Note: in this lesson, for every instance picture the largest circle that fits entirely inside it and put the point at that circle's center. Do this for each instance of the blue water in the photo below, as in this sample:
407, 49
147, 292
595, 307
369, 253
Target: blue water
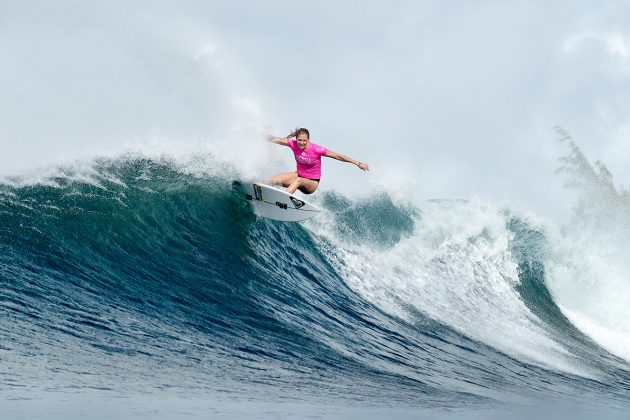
137, 288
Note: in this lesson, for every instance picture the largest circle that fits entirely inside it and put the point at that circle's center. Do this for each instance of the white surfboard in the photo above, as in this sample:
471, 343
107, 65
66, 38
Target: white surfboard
276, 204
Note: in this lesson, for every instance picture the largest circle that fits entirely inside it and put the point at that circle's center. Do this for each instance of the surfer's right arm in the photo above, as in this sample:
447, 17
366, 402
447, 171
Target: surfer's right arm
284, 141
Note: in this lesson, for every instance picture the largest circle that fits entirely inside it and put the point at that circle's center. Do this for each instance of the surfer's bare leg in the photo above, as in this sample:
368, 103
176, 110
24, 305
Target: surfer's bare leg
307, 186
284, 179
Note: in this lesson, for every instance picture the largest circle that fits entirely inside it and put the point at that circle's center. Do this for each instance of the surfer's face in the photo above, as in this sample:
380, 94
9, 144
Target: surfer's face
302, 141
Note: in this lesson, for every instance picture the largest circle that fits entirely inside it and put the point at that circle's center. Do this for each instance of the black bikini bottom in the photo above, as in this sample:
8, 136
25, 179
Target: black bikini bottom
312, 179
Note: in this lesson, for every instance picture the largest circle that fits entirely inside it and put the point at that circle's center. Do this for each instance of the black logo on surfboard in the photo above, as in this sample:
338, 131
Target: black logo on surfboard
258, 192
297, 203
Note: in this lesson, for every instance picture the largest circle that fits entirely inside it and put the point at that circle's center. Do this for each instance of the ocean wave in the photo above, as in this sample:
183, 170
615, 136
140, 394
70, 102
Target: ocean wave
139, 271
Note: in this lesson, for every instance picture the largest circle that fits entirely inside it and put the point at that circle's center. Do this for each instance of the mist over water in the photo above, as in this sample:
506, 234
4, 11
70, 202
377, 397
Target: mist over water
588, 271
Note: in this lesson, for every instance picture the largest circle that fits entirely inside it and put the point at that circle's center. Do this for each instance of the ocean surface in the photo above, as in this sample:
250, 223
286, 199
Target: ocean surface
134, 287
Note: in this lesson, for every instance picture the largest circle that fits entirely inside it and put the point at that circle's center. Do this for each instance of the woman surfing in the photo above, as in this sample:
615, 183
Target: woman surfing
308, 157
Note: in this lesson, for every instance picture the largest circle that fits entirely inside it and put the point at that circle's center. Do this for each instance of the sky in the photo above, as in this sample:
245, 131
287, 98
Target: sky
444, 99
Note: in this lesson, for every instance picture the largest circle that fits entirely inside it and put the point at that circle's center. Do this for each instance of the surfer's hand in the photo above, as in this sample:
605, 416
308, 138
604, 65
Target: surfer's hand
270, 137
363, 166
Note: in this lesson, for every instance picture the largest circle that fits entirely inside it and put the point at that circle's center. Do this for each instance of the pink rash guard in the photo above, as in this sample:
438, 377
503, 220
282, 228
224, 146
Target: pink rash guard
309, 161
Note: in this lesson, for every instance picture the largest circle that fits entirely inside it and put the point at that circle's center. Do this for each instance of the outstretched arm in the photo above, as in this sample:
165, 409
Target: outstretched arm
345, 158
278, 140
281, 140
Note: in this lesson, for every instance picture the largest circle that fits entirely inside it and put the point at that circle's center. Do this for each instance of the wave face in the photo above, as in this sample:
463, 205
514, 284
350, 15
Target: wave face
137, 276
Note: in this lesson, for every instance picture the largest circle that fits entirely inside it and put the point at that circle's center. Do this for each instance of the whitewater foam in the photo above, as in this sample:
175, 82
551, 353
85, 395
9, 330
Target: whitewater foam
457, 268
590, 281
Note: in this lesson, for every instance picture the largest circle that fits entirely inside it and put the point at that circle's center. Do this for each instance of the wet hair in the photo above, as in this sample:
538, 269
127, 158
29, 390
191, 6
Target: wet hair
299, 131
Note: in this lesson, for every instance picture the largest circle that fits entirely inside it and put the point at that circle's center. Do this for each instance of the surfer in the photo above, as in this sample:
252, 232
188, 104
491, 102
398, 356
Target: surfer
309, 162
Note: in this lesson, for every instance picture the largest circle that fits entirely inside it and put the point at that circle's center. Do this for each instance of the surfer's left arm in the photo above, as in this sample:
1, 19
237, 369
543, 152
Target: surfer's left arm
344, 158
